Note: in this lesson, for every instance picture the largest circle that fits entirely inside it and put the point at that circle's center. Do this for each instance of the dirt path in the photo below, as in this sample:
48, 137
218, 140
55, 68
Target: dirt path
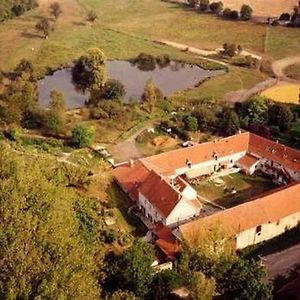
283, 262
200, 52
280, 66
126, 150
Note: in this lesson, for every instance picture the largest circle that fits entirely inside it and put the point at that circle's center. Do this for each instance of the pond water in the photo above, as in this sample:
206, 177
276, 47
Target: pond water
171, 78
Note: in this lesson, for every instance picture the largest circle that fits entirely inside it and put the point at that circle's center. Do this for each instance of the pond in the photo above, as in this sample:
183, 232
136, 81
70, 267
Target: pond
170, 78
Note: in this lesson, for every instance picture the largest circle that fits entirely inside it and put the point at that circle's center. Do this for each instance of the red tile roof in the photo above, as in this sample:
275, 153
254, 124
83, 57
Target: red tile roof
168, 162
248, 160
160, 193
268, 208
131, 177
166, 241
271, 150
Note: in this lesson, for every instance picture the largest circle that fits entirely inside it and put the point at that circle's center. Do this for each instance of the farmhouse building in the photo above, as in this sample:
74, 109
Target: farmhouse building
160, 186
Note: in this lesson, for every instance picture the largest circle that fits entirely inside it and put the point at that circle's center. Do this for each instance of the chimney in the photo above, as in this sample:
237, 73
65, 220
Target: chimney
131, 163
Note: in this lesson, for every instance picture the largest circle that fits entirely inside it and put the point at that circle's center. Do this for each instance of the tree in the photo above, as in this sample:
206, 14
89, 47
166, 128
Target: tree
113, 89
204, 5
24, 68
246, 12
207, 119
89, 71
137, 272
121, 295
92, 16
44, 26
244, 280
55, 9
190, 123
56, 115
230, 14
43, 252
163, 283
280, 115
230, 122
131, 270
216, 7
256, 110
202, 288
285, 17
229, 49
82, 136
150, 95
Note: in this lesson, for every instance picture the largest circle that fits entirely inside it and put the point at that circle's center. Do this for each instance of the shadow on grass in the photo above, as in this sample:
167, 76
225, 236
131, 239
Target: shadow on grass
31, 35
122, 202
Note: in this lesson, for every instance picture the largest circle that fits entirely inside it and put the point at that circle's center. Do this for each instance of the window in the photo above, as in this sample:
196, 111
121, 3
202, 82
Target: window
258, 229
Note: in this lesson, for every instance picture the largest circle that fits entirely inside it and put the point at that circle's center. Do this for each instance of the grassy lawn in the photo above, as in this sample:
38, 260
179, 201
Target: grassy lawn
235, 79
126, 28
246, 187
282, 42
125, 220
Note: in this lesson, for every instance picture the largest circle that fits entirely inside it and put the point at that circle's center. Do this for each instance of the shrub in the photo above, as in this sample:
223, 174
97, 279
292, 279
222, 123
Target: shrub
82, 136
113, 89
190, 123
245, 61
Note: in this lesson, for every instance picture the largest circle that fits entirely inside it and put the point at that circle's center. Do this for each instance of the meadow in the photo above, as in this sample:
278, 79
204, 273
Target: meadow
126, 28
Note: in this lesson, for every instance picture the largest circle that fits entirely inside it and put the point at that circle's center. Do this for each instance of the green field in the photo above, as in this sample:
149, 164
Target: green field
125, 28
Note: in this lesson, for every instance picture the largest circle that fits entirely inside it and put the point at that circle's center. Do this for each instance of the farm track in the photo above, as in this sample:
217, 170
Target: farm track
241, 95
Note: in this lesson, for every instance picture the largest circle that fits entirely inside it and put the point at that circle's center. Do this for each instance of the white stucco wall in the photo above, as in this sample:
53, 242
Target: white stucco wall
150, 210
268, 231
184, 210
207, 167
189, 193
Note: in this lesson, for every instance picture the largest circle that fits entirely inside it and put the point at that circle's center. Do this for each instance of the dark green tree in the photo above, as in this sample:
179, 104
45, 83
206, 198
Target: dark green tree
229, 122
24, 69
216, 7
204, 5
82, 136
55, 9
190, 123
44, 26
113, 89
136, 271
244, 280
89, 71
280, 115
246, 12
256, 110
163, 283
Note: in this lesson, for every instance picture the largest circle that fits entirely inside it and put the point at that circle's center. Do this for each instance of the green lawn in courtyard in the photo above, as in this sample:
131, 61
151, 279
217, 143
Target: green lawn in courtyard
247, 187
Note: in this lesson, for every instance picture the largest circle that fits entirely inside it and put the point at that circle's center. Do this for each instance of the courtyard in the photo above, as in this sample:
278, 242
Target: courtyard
233, 189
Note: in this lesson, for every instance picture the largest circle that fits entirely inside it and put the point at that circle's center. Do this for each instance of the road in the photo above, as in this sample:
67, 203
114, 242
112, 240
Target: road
127, 149
280, 66
281, 263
